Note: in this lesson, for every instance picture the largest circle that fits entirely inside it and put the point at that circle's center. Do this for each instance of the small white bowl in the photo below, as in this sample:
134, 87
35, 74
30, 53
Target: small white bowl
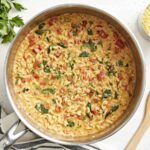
141, 26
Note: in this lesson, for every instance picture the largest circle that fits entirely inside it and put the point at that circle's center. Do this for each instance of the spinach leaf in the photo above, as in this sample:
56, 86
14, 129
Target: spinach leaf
89, 31
89, 106
107, 93
61, 44
40, 107
39, 31
41, 25
92, 45
25, 90
84, 54
49, 90
114, 108
70, 123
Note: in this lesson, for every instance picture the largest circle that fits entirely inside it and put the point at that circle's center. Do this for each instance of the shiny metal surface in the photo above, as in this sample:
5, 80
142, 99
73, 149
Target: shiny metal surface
9, 138
140, 73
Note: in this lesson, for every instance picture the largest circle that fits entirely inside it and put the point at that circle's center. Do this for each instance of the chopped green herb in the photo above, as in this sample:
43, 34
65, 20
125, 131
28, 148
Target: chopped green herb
71, 64
39, 32
70, 123
107, 93
49, 90
41, 108
90, 22
47, 69
58, 74
107, 114
96, 92
41, 25
47, 38
61, 44
89, 31
84, 54
116, 95
54, 101
101, 61
127, 65
92, 45
25, 90
120, 63
50, 48
44, 62
110, 69
100, 43
75, 29
88, 115
89, 106
114, 108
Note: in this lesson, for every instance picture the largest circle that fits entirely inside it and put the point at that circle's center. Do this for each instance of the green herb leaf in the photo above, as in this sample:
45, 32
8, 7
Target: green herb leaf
39, 31
9, 37
116, 95
120, 63
44, 62
49, 90
107, 93
50, 48
70, 123
18, 6
89, 106
84, 54
41, 25
61, 44
47, 69
54, 101
88, 115
92, 45
41, 108
25, 90
89, 31
71, 64
114, 108
17, 21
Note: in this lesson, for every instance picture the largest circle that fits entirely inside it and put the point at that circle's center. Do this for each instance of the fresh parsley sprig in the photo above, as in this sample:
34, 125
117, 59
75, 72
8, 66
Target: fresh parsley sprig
7, 24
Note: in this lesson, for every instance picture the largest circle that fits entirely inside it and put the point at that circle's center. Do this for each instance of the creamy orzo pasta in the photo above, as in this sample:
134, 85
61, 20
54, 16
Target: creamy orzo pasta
74, 74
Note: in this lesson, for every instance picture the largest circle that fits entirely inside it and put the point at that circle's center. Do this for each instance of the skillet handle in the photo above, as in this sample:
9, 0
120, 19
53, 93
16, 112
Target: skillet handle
10, 138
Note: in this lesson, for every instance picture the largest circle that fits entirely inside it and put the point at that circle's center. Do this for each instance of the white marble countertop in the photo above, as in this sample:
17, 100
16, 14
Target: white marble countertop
127, 11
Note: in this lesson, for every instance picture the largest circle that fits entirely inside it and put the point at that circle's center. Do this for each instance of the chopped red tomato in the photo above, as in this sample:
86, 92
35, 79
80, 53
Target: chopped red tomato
84, 23
43, 83
37, 50
99, 25
58, 109
91, 93
100, 75
63, 90
95, 100
26, 80
57, 54
120, 76
36, 76
117, 50
36, 64
93, 60
59, 31
102, 34
94, 112
31, 40
120, 43
50, 23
